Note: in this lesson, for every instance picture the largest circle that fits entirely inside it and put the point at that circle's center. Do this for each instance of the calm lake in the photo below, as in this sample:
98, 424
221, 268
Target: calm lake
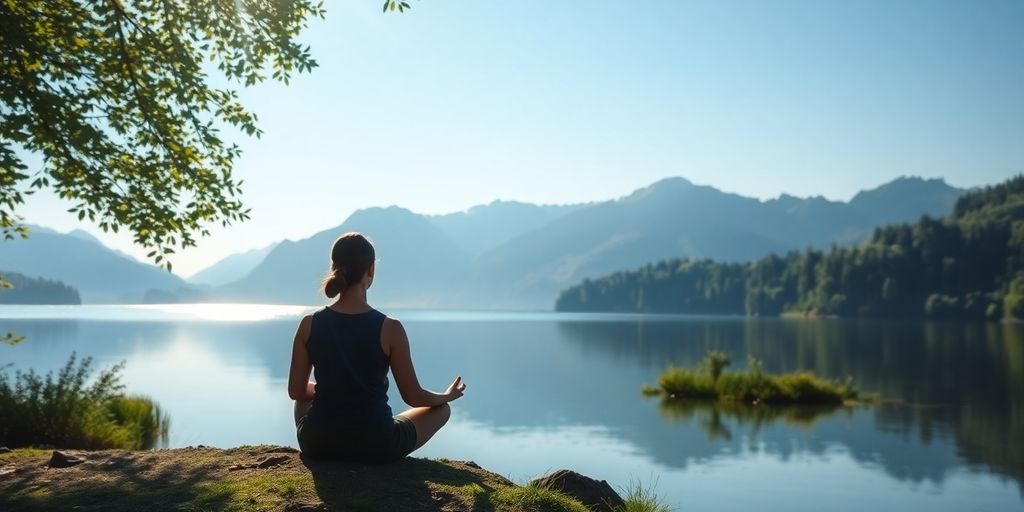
549, 390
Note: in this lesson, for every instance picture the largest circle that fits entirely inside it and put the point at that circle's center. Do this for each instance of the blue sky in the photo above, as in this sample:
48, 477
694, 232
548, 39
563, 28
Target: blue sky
461, 102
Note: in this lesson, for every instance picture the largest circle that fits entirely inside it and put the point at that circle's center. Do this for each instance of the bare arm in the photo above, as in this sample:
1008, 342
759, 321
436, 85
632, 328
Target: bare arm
299, 386
395, 343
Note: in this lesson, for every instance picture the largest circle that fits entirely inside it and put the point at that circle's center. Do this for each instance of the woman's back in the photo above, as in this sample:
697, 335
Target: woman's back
345, 415
350, 368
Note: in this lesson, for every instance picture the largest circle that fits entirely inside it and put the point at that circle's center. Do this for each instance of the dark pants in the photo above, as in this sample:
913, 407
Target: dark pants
325, 439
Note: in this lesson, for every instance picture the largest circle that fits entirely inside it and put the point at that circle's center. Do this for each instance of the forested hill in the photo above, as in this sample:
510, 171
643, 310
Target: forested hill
969, 265
31, 290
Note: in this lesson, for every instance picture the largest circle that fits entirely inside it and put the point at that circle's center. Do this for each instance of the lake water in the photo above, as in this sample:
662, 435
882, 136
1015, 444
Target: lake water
548, 390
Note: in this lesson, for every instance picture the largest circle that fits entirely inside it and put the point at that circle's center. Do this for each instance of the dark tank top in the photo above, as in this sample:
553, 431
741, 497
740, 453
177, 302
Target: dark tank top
350, 368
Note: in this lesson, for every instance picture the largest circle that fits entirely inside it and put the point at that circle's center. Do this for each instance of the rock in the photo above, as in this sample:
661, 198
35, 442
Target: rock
272, 462
597, 495
63, 460
264, 463
4, 449
280, 449
306, 507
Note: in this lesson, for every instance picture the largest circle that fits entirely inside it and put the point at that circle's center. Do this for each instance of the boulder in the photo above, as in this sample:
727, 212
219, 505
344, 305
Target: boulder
63, 460
597, 495
272, 462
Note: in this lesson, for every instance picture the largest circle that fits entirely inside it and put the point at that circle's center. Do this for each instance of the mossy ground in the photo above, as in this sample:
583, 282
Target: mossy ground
199, 479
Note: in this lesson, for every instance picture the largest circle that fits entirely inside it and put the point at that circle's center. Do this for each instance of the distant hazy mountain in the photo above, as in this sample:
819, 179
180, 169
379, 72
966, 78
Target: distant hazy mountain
231, 268
675, 218
515, 255
416, 261
100, 274
485, 227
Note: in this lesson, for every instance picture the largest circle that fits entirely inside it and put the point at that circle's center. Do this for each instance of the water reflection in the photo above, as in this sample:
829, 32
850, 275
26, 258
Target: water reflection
720, 419
962, 384
552, 391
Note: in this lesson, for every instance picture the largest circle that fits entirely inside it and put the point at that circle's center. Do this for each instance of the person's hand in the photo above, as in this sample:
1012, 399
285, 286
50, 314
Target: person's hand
455, 390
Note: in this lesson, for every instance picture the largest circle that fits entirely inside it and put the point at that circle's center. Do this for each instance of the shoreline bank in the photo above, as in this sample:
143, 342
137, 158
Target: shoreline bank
260, 478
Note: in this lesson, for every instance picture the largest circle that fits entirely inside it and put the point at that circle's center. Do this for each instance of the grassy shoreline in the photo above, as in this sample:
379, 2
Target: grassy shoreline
268, 478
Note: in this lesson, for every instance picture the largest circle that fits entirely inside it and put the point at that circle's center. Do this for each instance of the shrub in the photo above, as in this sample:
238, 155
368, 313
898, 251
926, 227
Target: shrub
69, 412
683, 382
714, 363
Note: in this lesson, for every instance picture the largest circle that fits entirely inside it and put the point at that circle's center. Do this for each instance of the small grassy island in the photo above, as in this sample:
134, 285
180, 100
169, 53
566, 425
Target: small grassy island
709, 381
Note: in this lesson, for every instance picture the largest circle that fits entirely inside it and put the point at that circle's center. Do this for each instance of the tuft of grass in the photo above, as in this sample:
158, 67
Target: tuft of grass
532, 498
73, 410
19, 454
639, 498
709, 381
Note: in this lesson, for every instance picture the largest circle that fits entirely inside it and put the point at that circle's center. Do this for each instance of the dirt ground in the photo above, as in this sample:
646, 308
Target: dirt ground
253, 478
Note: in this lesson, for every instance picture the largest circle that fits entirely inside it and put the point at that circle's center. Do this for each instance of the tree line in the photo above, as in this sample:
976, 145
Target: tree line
968, 265
32, 290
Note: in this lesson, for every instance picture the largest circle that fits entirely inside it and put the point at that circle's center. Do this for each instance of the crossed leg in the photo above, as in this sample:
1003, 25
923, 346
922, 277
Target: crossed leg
301, 408
428, 420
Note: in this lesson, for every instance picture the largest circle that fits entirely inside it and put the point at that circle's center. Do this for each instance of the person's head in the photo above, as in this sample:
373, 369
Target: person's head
352, 259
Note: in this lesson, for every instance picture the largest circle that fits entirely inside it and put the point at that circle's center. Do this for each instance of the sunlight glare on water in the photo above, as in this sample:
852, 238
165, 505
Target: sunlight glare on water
205, 312
226, 312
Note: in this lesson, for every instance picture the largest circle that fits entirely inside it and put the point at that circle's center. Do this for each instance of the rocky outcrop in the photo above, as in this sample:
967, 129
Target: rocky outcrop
597, 495
63, 460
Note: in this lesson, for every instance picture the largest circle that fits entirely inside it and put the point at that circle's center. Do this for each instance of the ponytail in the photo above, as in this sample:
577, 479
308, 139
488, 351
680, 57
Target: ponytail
351, 256
333, 284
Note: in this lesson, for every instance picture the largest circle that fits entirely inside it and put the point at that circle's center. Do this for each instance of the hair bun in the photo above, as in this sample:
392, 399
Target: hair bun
335, 284
351, 256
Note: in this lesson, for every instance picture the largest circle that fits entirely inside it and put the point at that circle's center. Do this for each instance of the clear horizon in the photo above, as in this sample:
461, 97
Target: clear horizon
569, 103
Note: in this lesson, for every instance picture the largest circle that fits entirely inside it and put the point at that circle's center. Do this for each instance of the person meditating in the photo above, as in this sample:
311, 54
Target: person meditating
349, 347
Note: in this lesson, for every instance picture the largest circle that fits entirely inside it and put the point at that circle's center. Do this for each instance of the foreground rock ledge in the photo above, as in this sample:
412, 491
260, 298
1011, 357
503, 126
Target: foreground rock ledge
248, 478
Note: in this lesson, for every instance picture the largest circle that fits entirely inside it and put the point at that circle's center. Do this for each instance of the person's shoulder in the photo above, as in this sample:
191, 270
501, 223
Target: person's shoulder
391, 322
307, 319
392, 326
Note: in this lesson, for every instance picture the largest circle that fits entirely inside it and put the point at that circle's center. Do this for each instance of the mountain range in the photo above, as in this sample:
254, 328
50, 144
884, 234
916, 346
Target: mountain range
101, 275
511, 255
518, 256
231, 268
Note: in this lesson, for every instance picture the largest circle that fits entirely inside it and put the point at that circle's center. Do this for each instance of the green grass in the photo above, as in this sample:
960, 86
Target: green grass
709, 381
256, 493
639, 498
183, 480
74, 410
532, 498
